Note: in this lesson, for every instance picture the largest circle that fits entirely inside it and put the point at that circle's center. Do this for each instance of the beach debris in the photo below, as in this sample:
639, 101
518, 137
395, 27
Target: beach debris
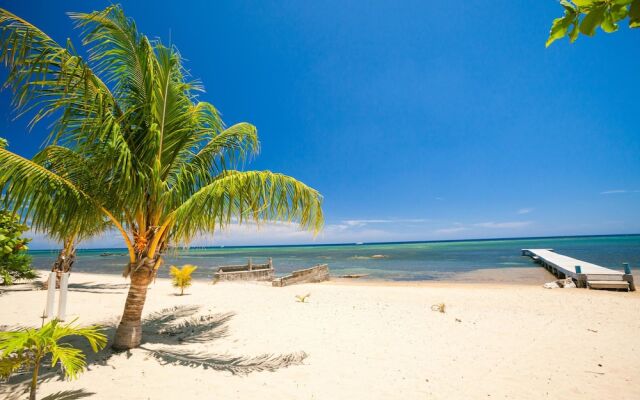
567, 283
438, 307
592, 330
458, 320
353, 276
302, 298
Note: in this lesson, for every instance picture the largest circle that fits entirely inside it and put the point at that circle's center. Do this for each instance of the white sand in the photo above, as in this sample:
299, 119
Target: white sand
372, 341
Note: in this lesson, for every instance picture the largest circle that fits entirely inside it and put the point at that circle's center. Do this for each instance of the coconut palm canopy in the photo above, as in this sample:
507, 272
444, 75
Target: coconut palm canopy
132, 143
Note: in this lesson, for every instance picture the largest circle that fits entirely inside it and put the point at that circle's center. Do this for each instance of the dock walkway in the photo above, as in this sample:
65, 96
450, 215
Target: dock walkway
585, 274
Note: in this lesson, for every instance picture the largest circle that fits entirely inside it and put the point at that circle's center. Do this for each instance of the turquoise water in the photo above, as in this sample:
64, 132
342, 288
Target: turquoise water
403, 261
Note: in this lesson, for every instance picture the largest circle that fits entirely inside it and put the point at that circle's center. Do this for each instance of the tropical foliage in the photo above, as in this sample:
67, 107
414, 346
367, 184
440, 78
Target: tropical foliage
133, 144
181, 277
27, 348
585, 16
15, 263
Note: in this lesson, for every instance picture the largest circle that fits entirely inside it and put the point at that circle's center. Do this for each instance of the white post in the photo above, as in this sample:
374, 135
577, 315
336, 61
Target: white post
51, 295
62, 305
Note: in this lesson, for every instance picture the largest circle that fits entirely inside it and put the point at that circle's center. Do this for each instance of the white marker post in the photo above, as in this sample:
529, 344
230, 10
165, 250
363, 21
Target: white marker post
51, 295
62, 305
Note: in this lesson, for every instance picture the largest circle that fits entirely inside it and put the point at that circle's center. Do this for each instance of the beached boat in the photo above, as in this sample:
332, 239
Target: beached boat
317, 273
245, 272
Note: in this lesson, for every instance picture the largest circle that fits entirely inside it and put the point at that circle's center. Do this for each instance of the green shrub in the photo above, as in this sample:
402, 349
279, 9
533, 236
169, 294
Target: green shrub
15, 263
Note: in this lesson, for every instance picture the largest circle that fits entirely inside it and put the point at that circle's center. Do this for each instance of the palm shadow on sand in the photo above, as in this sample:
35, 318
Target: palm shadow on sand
99, 288
19, 392
168, 332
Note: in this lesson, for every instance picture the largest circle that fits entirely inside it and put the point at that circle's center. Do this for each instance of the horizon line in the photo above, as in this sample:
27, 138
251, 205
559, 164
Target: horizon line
363, 243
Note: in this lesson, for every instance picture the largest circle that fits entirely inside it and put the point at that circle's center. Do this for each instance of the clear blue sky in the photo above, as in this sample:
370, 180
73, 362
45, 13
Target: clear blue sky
416, 120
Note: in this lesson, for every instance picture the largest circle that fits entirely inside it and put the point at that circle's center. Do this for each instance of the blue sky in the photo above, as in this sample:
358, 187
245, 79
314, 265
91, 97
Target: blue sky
416, 120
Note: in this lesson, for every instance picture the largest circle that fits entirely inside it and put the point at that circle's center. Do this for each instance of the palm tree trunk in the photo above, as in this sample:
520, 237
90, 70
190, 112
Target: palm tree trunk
34, 380
65, 260
129, 332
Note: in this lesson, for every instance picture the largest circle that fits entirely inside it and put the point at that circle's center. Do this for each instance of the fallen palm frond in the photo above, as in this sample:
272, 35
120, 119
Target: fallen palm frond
302, 298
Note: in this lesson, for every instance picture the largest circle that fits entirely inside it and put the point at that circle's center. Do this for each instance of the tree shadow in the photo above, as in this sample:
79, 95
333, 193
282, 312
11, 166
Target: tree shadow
68, 395
14, 392
177, 326
19, 392
22, 286
168, 332
99, 288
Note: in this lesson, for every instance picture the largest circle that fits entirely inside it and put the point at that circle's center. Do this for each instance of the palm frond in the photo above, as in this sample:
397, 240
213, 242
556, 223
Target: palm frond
47, 77
119, 52
223, 150
71, 360
48, 201
12, 363
257, 196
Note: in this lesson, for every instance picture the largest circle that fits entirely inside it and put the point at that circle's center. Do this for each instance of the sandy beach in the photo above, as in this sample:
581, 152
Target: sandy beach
350, 341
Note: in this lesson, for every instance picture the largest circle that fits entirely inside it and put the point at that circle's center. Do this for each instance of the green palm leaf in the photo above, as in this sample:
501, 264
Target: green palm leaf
256, 196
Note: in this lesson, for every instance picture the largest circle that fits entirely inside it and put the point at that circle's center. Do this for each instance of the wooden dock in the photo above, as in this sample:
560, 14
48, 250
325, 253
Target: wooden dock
585, 274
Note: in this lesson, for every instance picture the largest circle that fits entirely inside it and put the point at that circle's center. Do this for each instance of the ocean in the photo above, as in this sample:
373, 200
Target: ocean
402, 261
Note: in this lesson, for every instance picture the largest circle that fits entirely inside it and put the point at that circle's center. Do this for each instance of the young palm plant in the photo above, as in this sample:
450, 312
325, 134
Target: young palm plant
29, 347
182, 276
137, 146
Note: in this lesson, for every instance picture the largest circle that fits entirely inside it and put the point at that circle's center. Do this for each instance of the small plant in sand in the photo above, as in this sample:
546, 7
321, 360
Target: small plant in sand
302, 298
27, 348
440, 307
182, 276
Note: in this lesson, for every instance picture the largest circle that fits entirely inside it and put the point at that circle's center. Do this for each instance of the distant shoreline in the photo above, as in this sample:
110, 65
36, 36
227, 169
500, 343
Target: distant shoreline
528, 276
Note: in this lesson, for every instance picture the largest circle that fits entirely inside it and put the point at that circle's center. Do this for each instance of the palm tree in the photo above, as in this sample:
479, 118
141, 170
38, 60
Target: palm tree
28, 347
167, 163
